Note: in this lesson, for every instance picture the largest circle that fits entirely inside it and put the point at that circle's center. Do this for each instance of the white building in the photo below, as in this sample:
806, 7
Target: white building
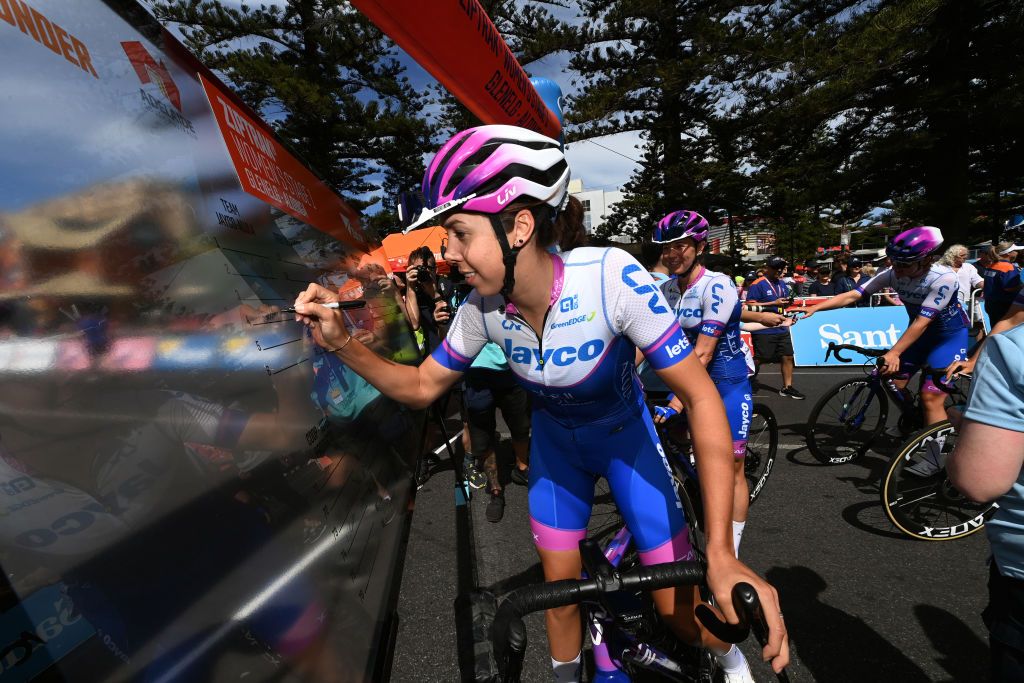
597, 204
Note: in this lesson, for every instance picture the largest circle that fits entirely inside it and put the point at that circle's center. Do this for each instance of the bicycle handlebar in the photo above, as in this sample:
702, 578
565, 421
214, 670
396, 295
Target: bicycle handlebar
509, 632
834, 349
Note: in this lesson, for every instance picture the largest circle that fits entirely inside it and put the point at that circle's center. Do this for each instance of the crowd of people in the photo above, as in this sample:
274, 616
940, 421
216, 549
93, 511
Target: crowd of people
545, 328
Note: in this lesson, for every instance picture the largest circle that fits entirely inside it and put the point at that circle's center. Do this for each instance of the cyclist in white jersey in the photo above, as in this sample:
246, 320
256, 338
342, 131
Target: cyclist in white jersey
498, 190
937, 334
708, 309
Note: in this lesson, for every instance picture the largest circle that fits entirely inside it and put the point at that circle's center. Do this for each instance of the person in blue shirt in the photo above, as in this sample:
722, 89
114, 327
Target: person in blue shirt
1002, 279
773, 344
986, 465
852, 278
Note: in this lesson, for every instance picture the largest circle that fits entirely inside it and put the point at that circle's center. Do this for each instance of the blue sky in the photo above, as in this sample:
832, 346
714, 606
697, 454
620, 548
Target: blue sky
605, 163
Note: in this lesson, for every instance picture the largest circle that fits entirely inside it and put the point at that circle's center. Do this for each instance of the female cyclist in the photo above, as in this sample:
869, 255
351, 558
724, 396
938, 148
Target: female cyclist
708, 309
568, 324
937, 334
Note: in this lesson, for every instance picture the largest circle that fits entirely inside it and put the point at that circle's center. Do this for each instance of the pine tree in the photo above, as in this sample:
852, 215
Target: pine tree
326, 79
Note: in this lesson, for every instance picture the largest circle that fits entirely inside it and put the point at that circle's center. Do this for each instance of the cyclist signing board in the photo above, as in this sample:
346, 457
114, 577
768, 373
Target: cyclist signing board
937, 334
708, 309
568, 324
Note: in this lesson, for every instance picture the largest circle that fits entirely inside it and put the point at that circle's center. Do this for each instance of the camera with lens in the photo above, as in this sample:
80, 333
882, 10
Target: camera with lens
423, 273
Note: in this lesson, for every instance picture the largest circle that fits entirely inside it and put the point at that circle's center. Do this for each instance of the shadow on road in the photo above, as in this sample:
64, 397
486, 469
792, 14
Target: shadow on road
868, 516
835, 646
964, 656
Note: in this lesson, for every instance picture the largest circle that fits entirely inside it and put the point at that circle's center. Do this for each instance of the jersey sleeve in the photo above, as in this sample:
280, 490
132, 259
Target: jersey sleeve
634, 307
876, 284
466, 336
718, 303
942, 291
997, 392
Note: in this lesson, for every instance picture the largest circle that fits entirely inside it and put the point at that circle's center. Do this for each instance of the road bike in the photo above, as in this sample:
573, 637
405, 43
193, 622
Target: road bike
927, 506
762, 440
623, 622
849, 417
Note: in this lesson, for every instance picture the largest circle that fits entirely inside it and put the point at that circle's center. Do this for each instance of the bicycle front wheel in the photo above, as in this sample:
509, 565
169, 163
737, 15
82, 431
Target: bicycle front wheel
762, 444
845, 422
918, 497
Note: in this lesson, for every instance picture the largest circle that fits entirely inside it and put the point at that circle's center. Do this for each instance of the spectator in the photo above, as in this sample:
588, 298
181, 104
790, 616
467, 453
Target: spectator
424, 289
967, 276
810, 276
825, 285
869, 270
994, 416
852, 278
774, 345
1002, 279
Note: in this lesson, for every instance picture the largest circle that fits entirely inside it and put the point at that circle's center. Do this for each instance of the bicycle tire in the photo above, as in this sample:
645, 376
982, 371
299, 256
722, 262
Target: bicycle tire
762, 445
835, 437
929, 508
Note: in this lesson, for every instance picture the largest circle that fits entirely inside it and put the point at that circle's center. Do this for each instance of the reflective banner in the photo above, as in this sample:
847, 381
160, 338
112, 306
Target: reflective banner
268, 171
872, 328
458, 44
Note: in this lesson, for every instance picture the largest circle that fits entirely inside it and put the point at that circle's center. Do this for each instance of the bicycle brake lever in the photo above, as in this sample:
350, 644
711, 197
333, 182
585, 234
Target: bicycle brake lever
723, 630
745, 597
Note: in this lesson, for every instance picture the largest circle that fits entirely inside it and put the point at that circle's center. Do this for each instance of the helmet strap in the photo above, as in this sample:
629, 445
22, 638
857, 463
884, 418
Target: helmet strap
509, 254
698, 258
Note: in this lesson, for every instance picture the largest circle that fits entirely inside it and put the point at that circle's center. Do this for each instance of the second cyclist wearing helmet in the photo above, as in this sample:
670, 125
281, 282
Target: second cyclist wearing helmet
709, 305
931, 294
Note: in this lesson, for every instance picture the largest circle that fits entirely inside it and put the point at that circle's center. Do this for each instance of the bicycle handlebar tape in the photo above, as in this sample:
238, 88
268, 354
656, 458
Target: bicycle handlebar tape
664, 575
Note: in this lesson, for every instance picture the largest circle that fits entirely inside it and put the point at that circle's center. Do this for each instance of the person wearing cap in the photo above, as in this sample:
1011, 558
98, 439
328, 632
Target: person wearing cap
825, 285
852, 278
1002, 279
810, 277
774, 345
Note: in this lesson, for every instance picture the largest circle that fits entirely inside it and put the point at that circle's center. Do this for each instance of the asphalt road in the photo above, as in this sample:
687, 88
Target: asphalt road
862, 602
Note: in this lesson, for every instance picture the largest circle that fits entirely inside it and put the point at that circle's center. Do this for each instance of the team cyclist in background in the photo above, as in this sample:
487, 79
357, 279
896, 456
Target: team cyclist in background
708, 308
937, 334
568, 324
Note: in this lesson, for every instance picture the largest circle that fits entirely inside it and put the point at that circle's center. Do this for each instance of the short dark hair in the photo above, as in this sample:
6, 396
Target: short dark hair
423, 254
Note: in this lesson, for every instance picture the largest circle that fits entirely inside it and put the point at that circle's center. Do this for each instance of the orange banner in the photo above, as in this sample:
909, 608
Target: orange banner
270, 172
458, 44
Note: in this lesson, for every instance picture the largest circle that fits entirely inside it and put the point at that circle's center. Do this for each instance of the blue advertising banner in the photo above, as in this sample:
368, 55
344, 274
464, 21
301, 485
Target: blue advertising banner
872, 328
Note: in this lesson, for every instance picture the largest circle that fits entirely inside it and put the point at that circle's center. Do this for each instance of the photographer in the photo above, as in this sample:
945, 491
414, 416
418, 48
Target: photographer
425, 288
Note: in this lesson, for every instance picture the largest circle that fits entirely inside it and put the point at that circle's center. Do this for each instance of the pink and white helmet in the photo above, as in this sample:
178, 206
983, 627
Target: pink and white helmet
679, 224
913, 245
487, 168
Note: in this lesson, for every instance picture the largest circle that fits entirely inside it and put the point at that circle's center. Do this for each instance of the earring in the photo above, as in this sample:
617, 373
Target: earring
519, 242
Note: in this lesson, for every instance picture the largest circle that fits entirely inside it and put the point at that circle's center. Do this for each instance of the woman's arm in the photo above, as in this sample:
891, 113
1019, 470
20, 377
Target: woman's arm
891, 359
981, 471
415, 386
712, 443
838, 301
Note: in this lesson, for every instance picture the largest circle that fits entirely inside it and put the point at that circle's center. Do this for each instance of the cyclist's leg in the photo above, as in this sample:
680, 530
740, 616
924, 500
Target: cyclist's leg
739, 406
942, 353
644, 491
561, 494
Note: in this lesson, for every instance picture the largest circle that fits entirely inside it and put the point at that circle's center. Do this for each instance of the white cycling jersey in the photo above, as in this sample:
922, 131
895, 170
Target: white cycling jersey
580, 368
932, 295
711, 306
